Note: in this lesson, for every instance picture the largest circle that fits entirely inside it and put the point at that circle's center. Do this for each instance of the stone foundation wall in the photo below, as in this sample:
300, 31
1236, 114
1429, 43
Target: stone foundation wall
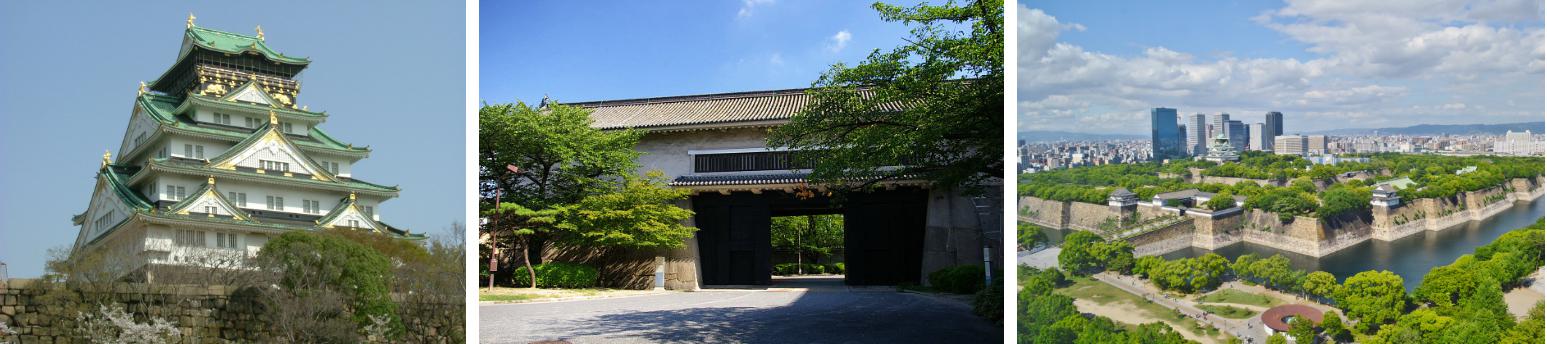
1161, 241
1045, 213
1435, 214
203, 314
1304, 235
1088, 217
1234, 180
1214, 232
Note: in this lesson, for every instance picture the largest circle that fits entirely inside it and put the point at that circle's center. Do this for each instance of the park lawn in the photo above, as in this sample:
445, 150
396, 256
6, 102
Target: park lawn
1228, 312
1083, 287
1240, 298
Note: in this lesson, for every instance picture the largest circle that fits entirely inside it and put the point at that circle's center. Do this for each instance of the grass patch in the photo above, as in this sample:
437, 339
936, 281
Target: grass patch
1240, 298
1228, 312
507, 297
524, 294
1086, 288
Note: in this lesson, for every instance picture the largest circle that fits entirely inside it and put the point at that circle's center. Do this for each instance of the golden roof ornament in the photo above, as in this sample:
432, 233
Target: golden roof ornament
211, 180
190, 20
273, 119
351, 196
107, 157
142, 88
260, 32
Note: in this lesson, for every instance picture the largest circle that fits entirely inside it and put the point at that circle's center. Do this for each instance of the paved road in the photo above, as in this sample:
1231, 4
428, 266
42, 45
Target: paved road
1043, 259
824, 314
1249, 331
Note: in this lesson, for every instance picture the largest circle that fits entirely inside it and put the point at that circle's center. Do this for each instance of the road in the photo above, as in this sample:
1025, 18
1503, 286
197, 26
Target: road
1249, 331
822, 313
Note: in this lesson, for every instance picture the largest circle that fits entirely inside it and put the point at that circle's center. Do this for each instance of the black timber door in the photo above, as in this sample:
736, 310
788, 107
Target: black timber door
733, 238
884, 237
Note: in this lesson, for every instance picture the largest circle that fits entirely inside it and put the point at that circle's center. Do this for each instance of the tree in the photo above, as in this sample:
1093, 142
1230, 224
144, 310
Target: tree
1302, 329
1372, 298
328, 270
932, 106
640, 214
807, 235
1529, 330
562, 160
1076, 256
1320, 284
1443, 285
1333, 326
1277, 338
1221, 201
521, 224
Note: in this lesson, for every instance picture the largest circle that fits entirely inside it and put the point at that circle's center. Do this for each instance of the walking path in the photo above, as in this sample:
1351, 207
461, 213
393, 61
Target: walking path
1249, 331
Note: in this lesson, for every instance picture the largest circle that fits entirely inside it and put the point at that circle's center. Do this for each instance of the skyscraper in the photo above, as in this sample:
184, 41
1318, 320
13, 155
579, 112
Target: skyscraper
1165, 141
1197, 134
1289, 145
1236, 132
1220, 125
1257, 138
1273, 126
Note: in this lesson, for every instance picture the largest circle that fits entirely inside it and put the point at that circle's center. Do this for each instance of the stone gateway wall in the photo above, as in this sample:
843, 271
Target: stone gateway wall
204, 314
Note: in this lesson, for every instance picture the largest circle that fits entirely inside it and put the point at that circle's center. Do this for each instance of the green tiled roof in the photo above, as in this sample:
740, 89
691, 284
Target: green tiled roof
347, 202
232, 43
200, 170
116, 183
165, 109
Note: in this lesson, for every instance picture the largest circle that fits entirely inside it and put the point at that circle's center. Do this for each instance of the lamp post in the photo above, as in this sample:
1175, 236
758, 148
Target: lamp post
494, 234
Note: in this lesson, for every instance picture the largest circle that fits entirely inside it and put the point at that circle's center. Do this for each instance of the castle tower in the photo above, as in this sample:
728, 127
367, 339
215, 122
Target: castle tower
218, 157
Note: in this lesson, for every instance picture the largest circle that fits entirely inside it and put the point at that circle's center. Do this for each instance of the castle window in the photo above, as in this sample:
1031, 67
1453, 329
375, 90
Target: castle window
221, 118
276, 203
310, 206
104, 221
190, 238
240, 198
175, 193
274, 165
224, 240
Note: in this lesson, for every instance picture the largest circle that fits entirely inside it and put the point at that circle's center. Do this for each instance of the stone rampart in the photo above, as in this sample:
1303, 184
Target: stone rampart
1045, 213
1161, 241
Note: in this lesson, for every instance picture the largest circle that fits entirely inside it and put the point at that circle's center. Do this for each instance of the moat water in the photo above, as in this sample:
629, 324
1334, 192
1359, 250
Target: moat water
1409, 257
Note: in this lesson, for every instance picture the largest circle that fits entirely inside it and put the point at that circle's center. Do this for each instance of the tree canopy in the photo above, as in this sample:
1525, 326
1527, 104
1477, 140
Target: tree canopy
933, 106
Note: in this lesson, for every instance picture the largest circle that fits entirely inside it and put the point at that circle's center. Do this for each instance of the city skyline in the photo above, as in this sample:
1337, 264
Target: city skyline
1088, 68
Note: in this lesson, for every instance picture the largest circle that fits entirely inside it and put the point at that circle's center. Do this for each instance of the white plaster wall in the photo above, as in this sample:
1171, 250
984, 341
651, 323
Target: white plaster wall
668, 152
275, 151
256, 193
103, 202
139, 124
212, 148
208, 116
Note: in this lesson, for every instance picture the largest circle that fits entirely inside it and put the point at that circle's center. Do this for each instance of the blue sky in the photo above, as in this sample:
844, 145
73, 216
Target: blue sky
1098, 67
575, 51
390, 75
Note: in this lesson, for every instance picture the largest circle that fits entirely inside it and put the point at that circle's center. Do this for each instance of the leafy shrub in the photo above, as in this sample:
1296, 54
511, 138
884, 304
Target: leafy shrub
558, 275
313, 263
961, 279
988, 303
834, 268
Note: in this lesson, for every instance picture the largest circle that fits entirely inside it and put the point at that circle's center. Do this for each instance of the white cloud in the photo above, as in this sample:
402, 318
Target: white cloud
838, 41
776, 59
748, 5
1385, 63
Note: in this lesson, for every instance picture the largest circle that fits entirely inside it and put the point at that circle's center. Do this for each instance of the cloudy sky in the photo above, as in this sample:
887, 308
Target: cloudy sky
1098, 68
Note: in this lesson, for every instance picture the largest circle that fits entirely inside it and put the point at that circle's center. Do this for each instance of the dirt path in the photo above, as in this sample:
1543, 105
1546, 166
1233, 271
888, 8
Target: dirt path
1520, 300
1125, 314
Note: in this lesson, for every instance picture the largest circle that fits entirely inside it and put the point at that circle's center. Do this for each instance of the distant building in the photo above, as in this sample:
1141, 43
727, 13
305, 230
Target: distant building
1197, 134
1385, 195
1256, 138
1272, 126
1316, 144
1220, 123
1165, 140
1521, 143
1236, 132
1289, 144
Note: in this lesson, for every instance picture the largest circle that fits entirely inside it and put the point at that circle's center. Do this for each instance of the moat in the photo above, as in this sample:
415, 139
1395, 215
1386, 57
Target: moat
1411, 257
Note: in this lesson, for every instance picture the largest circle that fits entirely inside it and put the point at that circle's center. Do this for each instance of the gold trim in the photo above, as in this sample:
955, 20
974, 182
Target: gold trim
190, 20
